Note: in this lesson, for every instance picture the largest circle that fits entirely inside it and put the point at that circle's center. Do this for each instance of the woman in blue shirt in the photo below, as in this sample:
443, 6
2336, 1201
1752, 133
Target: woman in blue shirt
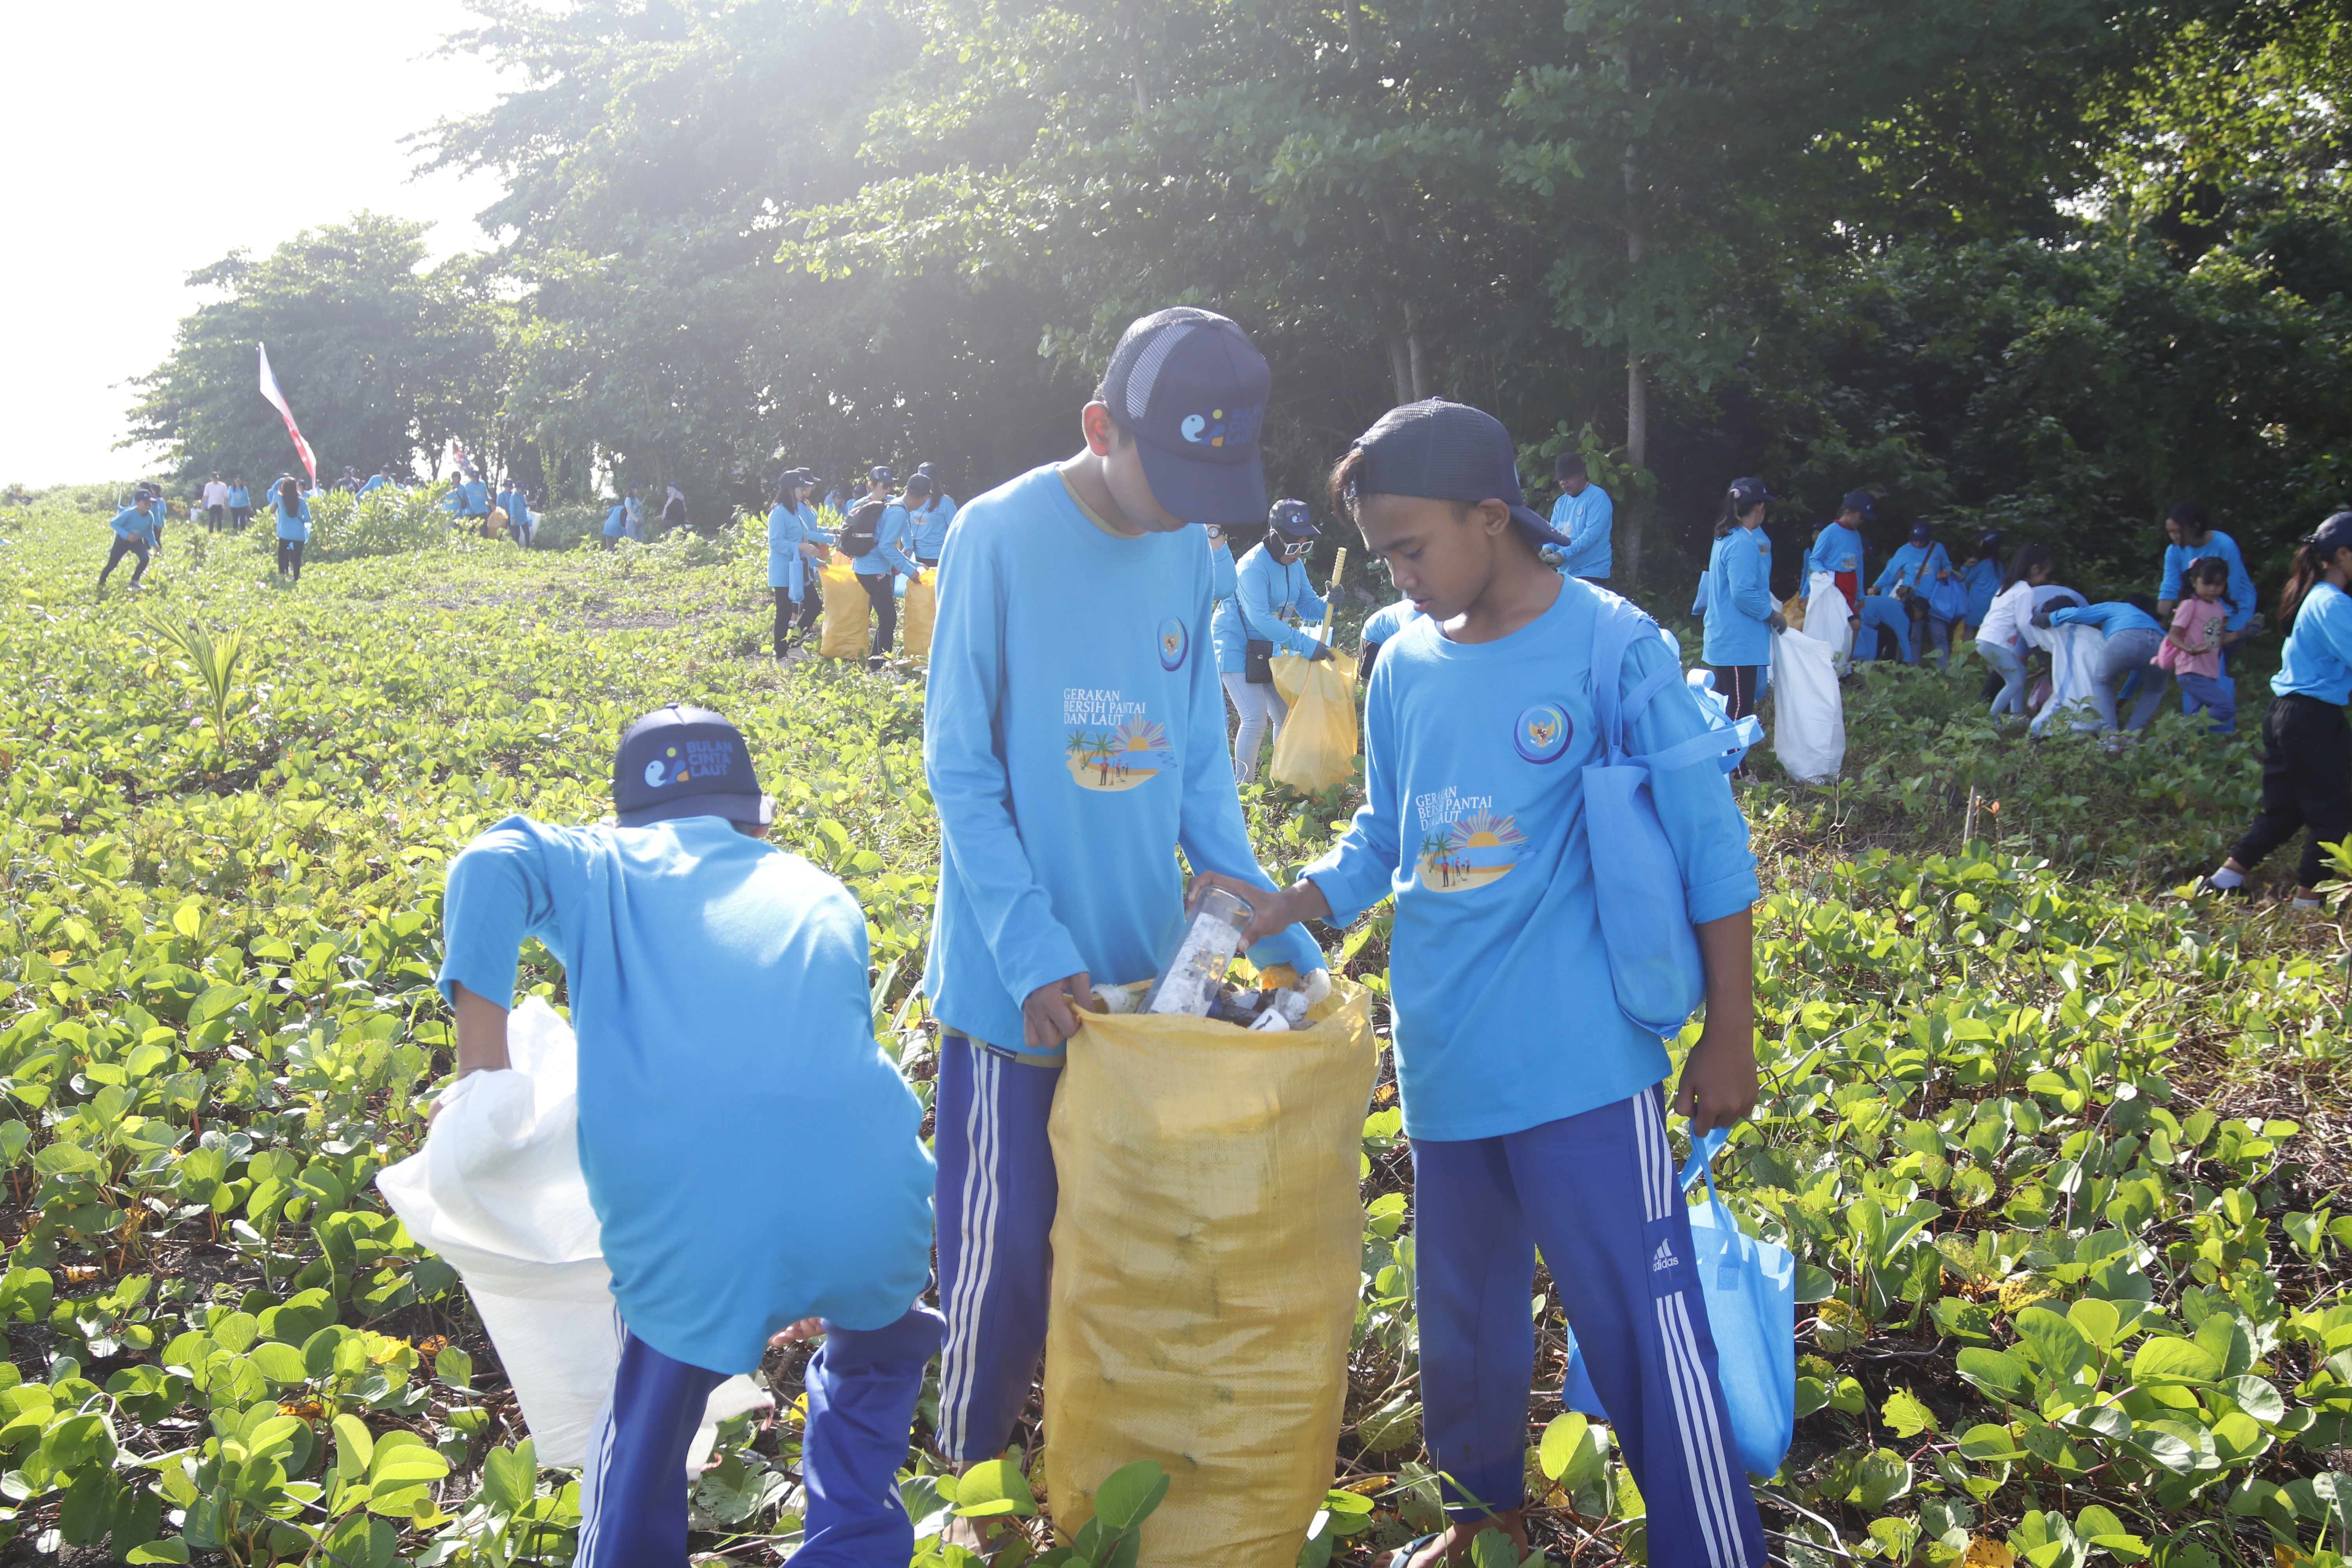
240, 504
928, 513
1271, 591
1911, 575
293, 514
2306, 747
795, 545
1740, 614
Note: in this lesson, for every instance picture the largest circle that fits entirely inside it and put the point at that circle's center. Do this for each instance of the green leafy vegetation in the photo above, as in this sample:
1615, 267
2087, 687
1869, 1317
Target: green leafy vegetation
2056, 1151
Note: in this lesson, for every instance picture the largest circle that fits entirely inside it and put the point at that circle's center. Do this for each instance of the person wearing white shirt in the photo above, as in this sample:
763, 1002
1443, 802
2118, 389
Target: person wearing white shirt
215, 500
2001, 638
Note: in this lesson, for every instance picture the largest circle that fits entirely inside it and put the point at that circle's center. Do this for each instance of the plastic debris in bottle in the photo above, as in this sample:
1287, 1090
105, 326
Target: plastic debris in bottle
1189, 981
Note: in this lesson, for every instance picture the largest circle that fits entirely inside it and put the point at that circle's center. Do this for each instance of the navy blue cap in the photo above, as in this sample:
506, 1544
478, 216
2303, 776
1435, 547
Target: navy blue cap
1292, 518
923, 469
1860, 501
881, 475
2335, 534
1919, 530
919, 483
1747, 492
686, 762
1191, 389
1447, 452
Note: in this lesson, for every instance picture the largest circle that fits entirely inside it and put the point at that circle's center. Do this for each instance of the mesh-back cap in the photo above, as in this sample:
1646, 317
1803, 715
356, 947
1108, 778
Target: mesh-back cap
1191, 389
1448, 452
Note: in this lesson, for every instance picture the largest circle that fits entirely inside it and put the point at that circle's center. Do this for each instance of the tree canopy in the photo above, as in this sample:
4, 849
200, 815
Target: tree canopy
2037, 264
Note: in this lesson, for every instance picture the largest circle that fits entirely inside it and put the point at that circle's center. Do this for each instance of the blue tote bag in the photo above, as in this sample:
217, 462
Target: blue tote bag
1750, 1289
1654, 958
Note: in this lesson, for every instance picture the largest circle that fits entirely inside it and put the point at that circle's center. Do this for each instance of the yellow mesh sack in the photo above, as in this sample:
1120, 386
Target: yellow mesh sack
1316, 747
921, 608
1206, 1257
846, 608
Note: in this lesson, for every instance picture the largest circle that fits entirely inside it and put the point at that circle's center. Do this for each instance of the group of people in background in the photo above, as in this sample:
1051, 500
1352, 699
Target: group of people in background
2204, 605
886, 537
138, 528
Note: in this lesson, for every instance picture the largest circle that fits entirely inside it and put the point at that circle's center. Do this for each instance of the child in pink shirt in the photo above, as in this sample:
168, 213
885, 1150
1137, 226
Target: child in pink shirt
2191, 649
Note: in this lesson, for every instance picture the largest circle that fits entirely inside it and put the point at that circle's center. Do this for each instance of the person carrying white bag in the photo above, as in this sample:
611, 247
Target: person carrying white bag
752, 1158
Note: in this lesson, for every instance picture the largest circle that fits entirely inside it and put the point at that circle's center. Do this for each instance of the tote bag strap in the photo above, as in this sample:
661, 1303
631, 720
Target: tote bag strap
1617, 625
1700, 1166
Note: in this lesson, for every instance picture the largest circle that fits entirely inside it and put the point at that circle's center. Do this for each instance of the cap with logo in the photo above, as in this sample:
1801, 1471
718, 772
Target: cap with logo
1862, 502
1448, 452
686, 762
881, 475
1292, 518
1919, 532
1747, 492
1191, 389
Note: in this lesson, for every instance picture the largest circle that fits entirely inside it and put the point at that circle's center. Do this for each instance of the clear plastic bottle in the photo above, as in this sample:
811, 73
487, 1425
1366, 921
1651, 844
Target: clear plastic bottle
1188, 982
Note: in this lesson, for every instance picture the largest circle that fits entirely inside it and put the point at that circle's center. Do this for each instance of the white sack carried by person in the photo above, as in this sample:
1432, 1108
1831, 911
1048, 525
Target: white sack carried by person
2074, 655
496, 1191
1828, 618
1808, 708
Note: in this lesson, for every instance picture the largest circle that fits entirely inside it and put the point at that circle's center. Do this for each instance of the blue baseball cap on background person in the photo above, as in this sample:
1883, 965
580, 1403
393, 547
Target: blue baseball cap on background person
881, 475
1747, 492
686, 762
1919, 532
1292, 518
1860, 501
1448, 452
1191, 389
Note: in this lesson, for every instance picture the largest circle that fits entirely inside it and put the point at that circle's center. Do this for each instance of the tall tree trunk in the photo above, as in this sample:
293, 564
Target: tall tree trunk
1349, 11
1400, 367
1413, 370
1627, 544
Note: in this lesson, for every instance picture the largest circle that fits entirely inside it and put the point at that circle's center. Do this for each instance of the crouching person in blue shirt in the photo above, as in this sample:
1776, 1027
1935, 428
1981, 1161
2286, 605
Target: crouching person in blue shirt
727, 1072
1534, 1106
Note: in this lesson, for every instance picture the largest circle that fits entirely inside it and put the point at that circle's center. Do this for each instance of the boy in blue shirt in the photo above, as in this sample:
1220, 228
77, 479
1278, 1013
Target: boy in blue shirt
1271, 598
728, 1071
1583, 513
1838, 549
1881, 613
1074, 739
1534, 1107
135, 534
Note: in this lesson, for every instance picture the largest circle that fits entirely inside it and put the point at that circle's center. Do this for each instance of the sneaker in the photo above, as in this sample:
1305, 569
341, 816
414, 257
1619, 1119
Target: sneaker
2208, 886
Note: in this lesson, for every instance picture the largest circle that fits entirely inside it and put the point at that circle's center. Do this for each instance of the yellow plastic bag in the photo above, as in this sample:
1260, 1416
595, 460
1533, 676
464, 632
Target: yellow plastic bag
922, 604
1206, 1253
1289, 672
845, 611
1316, 747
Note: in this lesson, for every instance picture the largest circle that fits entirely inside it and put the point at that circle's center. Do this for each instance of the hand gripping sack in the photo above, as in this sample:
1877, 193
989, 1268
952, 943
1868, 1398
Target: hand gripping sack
845, 610
496, 1191
1637, 883
1206, 1257
923, 608
1828, 616
1316, 747
1808, 708
1750, 1289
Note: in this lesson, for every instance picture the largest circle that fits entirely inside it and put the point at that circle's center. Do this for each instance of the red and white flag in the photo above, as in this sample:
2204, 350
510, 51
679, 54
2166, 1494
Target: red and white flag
277, 401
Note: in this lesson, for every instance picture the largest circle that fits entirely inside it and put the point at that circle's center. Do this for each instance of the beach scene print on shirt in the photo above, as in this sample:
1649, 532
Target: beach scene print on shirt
1112, 744
1465, 843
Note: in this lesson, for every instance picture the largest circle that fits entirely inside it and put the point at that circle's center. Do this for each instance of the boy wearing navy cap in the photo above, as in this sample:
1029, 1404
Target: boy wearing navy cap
1838, 548
1074, 739
728, 1068
1584, 513
1535, 1117
1272, 594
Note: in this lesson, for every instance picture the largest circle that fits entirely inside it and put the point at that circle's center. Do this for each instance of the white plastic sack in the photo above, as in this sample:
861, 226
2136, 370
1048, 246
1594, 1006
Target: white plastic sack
496, 1191
2076, 652
1808, 708
1828, 618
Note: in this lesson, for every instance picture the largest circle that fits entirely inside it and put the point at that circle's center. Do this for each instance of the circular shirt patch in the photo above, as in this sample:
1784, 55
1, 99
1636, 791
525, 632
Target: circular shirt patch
1173, 639
1542, 732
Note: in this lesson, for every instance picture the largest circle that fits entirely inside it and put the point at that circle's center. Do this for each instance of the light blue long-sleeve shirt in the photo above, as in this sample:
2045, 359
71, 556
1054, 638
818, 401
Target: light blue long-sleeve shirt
1266, 592
2218, 546
2317, 661
787, 531
728, 1070
1983, 581
1074, 738
1914, 566
375, 482
1881, 613
892, 536
516, 505
2110, 617
616, 521
930, 527
1586, 520
470, 499
1383, 624
132, 523
1224, 615
295, 524
1839, 549
1739, 599
1474, 819
239, 496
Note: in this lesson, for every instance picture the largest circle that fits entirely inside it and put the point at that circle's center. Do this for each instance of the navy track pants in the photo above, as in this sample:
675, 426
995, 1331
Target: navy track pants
1597, 1192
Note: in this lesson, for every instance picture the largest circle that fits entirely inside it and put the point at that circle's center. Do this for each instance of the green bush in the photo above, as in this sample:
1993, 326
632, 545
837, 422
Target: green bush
388, 521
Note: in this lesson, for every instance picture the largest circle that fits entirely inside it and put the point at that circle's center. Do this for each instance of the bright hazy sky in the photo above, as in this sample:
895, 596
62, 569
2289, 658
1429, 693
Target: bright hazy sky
110, 206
